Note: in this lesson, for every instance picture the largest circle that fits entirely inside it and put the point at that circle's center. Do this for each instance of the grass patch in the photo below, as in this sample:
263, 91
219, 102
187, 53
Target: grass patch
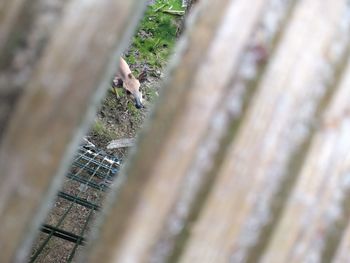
156, 35
151, 94
99, 129
136, 115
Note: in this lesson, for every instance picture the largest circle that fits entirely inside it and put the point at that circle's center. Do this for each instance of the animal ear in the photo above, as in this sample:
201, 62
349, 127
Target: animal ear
143, 76
117, 82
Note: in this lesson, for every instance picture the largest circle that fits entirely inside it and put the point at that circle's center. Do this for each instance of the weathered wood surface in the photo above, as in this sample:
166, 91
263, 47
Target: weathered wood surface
9, 12
21, 52
245, 158
61, 96
270, 148
323, 183
121, 143
248, 142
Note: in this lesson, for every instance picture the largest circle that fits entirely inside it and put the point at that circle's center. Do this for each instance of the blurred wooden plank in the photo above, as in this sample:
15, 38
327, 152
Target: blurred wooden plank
271, 138
317, 201
9, 11
121, 143
221, 128
24, 47
342, 254
60, 97
205, 64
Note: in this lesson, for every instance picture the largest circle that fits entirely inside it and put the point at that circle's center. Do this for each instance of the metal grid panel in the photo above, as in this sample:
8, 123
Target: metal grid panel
77, 203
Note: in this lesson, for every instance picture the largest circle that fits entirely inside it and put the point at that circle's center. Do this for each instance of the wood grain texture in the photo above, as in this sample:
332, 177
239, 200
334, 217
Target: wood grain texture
272, 134
23, 50
61, 96
9, 12
316, 202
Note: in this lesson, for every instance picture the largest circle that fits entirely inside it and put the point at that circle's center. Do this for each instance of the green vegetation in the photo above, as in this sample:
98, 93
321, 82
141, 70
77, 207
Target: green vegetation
151, 47
99, 129
156, 34
153, 43
151, 94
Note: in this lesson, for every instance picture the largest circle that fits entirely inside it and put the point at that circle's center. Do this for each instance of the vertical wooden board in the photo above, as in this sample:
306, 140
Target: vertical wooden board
133, 229
221, 126
271, 135
9, 11
61, 96
23, 49
322, 188
342, 254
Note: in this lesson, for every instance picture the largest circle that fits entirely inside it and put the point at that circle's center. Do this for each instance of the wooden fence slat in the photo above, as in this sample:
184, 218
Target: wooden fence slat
23, 49
9, 11
342, 253
317, 199
221, 129
195, 89
60, 97
272, 136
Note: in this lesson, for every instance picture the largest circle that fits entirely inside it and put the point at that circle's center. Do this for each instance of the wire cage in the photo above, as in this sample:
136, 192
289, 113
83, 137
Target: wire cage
77, 204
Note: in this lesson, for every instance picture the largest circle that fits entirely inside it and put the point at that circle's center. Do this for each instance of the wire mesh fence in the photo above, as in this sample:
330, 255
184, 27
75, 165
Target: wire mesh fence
77, 203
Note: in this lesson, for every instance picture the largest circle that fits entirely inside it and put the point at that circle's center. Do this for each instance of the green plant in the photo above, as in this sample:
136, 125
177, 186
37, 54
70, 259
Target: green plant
99, 129
156, 35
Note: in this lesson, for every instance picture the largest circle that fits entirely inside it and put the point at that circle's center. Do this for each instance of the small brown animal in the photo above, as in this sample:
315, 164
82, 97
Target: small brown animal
124, 78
